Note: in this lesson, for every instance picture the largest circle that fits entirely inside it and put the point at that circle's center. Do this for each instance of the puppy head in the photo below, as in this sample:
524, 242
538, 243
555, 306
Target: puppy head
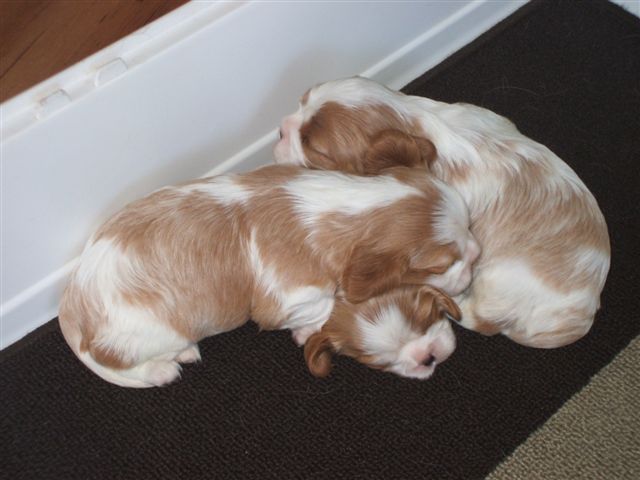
405, 331
352, 125
417, 241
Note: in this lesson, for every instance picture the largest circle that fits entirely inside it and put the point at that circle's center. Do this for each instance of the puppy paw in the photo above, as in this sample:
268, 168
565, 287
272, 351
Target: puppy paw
189, 355
161, 372
301, 335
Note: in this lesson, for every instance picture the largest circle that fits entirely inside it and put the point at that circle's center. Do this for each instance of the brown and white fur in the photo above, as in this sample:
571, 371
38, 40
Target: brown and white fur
405, 331
274, 245
545, 246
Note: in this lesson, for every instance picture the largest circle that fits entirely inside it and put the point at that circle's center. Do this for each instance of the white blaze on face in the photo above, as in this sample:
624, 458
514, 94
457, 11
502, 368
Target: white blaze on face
289, 148
391, 341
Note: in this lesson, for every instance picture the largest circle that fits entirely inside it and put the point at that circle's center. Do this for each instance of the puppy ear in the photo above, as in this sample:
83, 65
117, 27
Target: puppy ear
370, 273
447, 306
428, 150
319, 161
434, 302
392, 148
317, 354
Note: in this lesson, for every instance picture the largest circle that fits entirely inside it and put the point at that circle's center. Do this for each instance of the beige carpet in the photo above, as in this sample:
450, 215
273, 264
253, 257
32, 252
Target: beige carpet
595, 435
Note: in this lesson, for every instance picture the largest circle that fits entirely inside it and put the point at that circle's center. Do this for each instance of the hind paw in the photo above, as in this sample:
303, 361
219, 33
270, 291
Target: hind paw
162, 372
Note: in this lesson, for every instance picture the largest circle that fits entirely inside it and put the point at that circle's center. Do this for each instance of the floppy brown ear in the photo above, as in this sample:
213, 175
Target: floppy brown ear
392, 148
447, 306
317, 354
432, 301
369, 273
319, 161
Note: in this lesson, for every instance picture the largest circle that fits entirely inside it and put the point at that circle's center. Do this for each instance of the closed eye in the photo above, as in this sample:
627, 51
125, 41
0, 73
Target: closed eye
439, 270
313, 149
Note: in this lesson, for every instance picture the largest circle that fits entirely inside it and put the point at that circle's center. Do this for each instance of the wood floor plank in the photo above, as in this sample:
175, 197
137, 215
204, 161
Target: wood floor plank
39, 38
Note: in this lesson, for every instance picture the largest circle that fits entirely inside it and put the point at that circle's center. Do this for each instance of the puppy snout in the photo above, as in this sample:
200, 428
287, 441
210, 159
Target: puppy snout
291, 123
430, 360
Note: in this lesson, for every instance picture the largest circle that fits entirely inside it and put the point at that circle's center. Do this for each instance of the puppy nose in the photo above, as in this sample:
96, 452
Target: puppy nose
429, 361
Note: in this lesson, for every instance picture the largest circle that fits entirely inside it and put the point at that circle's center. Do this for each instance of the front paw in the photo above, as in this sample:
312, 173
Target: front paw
301, 335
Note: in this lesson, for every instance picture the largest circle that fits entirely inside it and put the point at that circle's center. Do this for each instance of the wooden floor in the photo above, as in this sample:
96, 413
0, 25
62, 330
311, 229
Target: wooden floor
39, 38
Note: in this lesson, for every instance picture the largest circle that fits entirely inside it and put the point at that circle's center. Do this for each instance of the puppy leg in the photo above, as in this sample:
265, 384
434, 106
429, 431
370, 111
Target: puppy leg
552, 327
508, 298
476, 315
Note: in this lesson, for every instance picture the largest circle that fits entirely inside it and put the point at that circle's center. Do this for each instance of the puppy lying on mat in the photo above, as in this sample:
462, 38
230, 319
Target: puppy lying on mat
273, 245
545, 245
404, 331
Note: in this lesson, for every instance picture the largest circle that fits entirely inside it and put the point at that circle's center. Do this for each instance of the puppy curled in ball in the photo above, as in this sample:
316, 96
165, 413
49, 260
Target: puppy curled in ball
545, 245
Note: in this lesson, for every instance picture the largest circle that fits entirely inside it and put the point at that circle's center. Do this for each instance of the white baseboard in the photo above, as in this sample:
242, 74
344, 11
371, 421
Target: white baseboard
631, 6
208, 81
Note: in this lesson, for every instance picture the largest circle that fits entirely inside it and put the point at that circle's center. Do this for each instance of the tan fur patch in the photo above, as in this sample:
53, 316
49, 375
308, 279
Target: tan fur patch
339, 137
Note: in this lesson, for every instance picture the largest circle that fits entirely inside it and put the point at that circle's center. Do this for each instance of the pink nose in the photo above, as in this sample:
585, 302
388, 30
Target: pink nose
289, 125
430, 360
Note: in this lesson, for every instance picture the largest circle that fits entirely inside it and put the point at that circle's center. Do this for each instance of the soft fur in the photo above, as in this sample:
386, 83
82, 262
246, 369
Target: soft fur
274, 245
405, 331
545, 246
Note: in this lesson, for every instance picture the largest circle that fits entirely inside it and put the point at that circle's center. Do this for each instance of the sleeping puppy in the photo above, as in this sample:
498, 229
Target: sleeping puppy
545, 245
274, 245
405, 331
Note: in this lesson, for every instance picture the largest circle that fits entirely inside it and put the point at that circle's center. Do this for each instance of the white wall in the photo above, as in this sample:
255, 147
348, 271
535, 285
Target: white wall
200, 90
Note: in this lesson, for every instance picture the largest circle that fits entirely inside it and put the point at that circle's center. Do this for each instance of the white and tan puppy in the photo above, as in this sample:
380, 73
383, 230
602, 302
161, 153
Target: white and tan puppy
274, 245
405, 331
545, 245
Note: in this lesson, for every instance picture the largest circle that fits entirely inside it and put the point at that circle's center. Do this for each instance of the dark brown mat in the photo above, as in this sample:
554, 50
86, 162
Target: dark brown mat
567, 74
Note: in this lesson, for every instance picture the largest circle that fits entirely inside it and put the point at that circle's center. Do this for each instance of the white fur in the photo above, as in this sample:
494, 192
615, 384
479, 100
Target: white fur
133, 333
510, 292
224, 189
439, 341
348, 92
290, 146
305, 308
333, 192
455, 280
593, 261
389, 339
385, 334
452, 226
451, 221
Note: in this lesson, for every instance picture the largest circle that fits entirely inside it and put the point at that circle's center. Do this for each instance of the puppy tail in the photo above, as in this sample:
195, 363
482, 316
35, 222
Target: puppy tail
71, 311
109, 374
